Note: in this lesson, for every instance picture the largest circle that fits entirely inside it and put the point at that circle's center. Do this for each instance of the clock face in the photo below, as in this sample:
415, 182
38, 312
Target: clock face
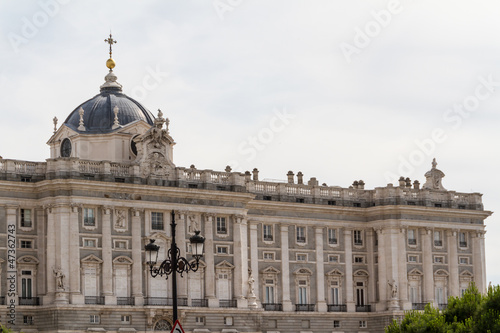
66, 148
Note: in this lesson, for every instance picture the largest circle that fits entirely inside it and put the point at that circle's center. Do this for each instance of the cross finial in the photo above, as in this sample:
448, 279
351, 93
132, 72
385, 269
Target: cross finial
110, 41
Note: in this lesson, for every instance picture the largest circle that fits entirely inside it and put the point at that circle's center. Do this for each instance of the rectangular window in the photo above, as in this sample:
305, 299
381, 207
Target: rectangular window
28, 320
464, 261
412, 240
362, 324
301, 234
359, 260
301, 257
462, 239
268, 255
269, 293
268, 232
334, 295
228, 321
333, 258
356, 204
331, 202
89, 242
302, 293
26, 218
126, 319
222, 249
299, 200
25, 244
157, 221
414, 295
200, 320
332, 236
358, 238
95, 319
439, 260
412, 258
438, 239
439, 295
120, 244
89, 217
221, 225
336, 323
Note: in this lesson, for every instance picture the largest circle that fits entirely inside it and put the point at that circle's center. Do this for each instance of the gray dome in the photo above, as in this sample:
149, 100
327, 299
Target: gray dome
98, 117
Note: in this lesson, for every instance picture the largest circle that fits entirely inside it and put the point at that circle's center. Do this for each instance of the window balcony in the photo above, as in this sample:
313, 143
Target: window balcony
268, 238
29, 301
199, 302
94, 299
272, 306
227, 303
337, 308
222, 230
332, 240
442, 306
164, 301
305, 307
438, 243
418, 306
363, 308
412, 241
125, 301
463, 244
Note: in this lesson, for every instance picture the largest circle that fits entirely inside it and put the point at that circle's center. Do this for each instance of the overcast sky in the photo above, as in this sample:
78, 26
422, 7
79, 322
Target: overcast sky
340, 90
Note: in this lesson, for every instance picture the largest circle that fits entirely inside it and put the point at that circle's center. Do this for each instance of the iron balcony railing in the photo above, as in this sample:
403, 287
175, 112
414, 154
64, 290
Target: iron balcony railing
418, 306
125, 301
94, 299
363, 308
164, 301
29, 301
442, 306
227, 303
272, 306
305, 307
199, 302
337, 308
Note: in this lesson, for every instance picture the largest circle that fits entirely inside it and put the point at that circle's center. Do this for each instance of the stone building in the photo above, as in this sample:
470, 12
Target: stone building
293, 256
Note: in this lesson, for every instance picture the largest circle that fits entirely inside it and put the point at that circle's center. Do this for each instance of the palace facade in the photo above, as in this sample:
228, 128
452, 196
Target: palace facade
294, 256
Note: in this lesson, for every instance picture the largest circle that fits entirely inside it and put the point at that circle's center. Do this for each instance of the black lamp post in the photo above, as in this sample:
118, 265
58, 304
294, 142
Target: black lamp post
174, 262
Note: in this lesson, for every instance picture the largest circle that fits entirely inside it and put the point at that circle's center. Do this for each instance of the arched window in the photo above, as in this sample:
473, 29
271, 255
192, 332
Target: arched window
162, 325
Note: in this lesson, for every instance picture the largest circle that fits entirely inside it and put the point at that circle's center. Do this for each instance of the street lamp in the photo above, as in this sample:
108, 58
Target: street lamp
174, 262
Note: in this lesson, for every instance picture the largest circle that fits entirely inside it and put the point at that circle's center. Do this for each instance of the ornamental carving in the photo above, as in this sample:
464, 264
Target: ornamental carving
156, 165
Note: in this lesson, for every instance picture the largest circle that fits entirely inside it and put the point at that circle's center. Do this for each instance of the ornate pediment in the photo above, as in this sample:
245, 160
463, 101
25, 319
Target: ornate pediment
91, 259
28, 260
270, 270
415, 272
123, 260
335, 272
224, 265
441, 272
303, 271
361, 272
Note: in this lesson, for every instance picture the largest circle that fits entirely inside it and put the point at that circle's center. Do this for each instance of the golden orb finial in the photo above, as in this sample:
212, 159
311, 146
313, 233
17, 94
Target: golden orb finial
110, 63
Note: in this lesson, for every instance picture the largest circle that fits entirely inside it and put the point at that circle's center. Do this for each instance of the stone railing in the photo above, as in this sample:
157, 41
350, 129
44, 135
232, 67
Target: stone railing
235, 181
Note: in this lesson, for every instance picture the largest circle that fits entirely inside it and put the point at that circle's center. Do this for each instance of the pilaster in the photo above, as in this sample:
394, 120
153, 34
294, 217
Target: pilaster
382, 271
181, 244
320, 270
254, 258
107, 259
453, 262
76, 296
349, 282
478, 250
240, 260
213, 302
427, 265
403, 271
137, 266
285, 270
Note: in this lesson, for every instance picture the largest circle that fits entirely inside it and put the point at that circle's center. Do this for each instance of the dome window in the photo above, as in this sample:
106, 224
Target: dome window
133, 146
66, 148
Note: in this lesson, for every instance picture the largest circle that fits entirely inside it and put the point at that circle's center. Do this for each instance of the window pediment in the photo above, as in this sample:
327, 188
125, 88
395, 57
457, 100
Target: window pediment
91, 259
335, 272
303, 271
224, 265
28, 260
123, 260
270, 270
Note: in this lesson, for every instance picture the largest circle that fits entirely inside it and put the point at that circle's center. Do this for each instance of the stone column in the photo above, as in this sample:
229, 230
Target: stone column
76, 296
254, 258
107, 258
51, 253
240, 260
403, 272
371, 266
349, 282
180, 239
427, 265
320, 270
285, 270
453, 262
213, 302
483, 257
382, 271
478, 250
137, 266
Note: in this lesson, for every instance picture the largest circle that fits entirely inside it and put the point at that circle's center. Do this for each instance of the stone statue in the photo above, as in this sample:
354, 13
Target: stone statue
394, 288
120, 219
251, 282
59, 275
